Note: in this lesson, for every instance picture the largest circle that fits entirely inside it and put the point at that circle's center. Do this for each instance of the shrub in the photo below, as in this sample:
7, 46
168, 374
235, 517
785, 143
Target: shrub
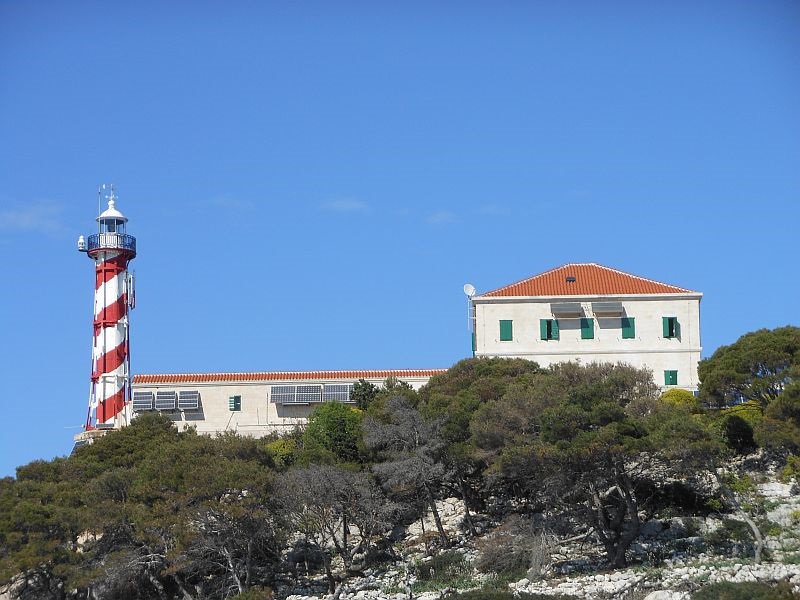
749, 590
738, 434
442, 567
731, 530
792, 468
446, 570
515, 546
335, 428
681, 399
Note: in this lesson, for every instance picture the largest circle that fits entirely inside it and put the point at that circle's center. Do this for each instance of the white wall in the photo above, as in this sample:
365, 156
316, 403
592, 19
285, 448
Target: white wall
649, 348
258, 416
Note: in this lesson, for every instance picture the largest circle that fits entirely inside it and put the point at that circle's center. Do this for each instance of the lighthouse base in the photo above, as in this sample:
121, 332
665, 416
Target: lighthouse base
88, 437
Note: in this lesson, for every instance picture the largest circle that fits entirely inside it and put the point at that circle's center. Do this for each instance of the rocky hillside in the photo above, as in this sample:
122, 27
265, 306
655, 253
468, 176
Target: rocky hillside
675, 557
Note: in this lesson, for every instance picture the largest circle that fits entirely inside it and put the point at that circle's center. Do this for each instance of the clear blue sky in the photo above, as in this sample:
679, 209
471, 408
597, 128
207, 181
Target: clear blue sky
311, 183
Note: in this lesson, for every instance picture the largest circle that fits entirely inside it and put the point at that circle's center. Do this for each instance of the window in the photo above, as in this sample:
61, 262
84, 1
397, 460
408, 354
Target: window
672, 329
506, 331
235, 403
587, 329
548, 328
670, 378
628, 328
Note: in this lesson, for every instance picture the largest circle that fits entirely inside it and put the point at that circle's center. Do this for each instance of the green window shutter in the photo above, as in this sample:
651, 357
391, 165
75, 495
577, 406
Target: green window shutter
554, 330
474, 342
587, 329
670, 378
672, 329
628, 328
506, 331
234, 403
543, 328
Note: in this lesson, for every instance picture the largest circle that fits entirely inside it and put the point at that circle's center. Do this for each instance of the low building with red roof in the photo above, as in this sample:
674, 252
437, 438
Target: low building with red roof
253, 403
587, 312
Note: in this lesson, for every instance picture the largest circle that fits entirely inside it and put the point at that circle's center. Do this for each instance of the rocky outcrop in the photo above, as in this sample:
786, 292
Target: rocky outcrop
672, 581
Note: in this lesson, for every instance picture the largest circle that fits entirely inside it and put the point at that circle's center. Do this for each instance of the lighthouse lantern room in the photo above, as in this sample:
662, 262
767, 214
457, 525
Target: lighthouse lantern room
111, 249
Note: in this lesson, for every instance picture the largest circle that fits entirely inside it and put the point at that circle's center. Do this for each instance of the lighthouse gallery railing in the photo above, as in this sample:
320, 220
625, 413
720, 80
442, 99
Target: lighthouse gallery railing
119, 241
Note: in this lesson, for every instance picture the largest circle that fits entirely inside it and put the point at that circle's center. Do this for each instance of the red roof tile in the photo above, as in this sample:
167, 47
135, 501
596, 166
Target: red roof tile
282, 375
590, 279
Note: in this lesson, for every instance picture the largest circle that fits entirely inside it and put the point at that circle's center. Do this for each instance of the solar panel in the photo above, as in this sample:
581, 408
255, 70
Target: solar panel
283, 394
142, 401
165, 400
337, 392
188, 400
308, 394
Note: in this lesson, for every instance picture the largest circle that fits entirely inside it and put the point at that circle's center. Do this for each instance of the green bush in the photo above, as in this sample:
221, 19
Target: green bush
738, 434
334, 428
681, 399
792, 468
732, 530
443, 567
749, 590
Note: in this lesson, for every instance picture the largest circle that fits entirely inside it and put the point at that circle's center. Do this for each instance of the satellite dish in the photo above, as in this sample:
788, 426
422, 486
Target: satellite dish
469, 290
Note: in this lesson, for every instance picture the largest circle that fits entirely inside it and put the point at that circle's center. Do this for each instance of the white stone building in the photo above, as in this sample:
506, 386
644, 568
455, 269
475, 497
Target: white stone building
590, 313
253, 404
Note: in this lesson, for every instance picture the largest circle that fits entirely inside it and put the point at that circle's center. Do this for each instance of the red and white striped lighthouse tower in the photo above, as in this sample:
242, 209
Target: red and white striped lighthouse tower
111, 249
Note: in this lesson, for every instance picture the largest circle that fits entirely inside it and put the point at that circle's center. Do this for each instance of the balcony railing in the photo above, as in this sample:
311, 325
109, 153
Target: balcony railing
111, 241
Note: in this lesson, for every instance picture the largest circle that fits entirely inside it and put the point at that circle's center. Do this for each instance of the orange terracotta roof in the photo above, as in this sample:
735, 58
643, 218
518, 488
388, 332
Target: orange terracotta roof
590, 279
282, 375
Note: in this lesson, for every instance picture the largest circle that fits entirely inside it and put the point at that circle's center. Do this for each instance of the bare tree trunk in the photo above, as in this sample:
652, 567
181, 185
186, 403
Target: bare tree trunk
339, 590
248, 565
184, 592
328, 572
618, 534
467, 516
631, 526
730, 497
232, 569
158, 585
756, 534
424, 537
436, 518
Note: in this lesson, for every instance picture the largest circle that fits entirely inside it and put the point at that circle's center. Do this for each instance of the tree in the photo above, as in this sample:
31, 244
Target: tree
584, 455
144, 512
237, 540
780, 428
756, 367
363, 393
322, 502
335, 428
413, 453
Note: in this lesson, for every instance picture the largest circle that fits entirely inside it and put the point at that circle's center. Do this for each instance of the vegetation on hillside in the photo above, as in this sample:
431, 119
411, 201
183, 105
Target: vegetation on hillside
150, 512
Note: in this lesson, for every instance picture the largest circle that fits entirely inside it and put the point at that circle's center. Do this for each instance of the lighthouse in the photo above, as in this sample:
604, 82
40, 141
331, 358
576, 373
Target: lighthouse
111, 249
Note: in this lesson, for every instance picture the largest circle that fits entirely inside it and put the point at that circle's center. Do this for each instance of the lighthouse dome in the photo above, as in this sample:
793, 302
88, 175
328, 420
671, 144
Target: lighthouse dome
112, 213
